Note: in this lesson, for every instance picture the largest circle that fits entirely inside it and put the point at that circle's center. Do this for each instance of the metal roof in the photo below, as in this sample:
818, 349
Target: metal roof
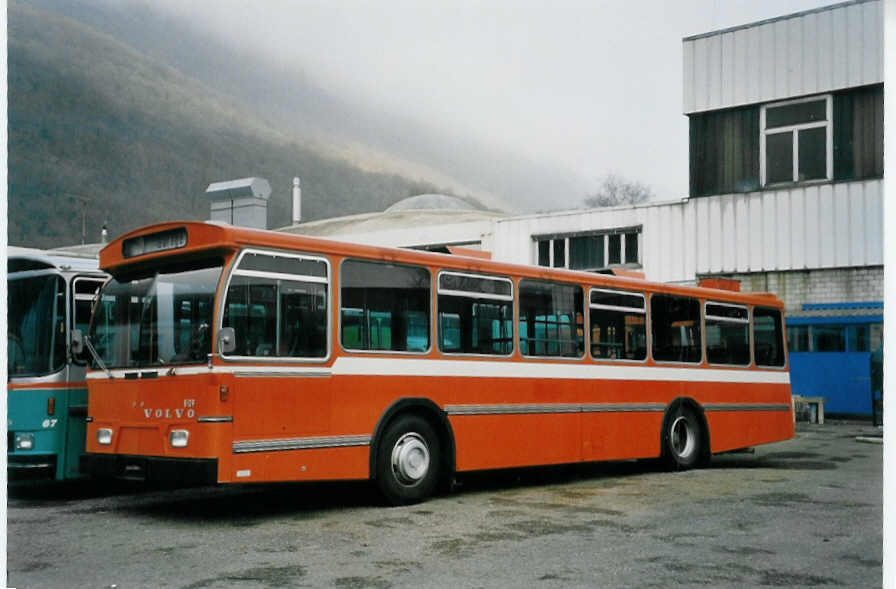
53, 259
775, 19
242, 188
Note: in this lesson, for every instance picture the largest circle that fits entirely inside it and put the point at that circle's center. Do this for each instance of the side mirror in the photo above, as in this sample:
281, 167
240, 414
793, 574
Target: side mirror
77, 345
226, 340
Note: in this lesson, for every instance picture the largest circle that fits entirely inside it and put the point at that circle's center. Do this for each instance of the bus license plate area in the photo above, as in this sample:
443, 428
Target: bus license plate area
147, 440
133, 468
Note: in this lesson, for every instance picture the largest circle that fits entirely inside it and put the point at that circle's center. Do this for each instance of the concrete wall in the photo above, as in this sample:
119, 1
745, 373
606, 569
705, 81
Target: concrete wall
833, 285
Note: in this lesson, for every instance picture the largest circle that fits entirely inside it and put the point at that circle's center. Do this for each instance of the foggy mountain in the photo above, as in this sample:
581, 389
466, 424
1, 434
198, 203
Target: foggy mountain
169, 109
343, 126
96, 127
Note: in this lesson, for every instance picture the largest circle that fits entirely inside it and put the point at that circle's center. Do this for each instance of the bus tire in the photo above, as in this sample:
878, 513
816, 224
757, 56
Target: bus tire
408, 459
682, 439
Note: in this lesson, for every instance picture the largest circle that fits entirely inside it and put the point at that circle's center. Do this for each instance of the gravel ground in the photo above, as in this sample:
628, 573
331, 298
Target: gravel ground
803, 512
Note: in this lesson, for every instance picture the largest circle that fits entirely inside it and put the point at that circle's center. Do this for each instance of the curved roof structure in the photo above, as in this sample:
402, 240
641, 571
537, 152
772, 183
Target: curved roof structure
431, 202
421, 221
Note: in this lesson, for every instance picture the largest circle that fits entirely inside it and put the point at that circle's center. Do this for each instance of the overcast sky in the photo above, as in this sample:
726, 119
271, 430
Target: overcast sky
592, 86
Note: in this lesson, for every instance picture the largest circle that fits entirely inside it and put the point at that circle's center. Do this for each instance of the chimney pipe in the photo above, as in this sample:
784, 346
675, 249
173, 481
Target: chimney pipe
296, 201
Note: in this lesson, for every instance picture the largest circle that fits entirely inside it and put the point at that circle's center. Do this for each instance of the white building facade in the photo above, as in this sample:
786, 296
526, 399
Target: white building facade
786, 187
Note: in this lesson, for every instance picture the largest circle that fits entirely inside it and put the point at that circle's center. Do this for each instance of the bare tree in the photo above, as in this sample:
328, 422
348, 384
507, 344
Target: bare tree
615, 190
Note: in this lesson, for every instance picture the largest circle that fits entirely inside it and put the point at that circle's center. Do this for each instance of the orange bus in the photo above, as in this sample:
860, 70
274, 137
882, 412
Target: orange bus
230, 355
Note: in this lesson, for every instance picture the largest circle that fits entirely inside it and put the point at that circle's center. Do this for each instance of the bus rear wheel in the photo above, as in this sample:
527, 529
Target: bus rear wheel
682, 439
408, 458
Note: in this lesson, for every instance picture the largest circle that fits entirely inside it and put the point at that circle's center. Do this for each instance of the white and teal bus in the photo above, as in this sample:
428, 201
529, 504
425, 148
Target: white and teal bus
49, 295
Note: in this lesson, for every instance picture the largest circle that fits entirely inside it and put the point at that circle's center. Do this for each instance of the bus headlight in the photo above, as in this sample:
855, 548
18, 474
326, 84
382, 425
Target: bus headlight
24, 441
104, 436
178, 438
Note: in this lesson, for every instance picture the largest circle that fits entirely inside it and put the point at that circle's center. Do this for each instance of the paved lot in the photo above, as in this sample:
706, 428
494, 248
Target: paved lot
803, 512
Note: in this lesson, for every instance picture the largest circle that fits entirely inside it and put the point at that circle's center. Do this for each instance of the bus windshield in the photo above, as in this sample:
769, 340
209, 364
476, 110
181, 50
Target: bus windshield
36, 334
157, 319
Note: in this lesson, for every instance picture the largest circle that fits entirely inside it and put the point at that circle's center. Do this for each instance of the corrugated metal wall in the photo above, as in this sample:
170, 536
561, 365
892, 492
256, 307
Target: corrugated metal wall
817, 51
820, 226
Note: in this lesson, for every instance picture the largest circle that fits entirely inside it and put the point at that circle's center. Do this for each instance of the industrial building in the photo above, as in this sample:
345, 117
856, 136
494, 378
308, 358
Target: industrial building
786, 191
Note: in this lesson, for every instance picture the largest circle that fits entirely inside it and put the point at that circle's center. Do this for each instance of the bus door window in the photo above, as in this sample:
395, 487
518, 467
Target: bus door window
36, 343
675, 328
277, 306
618, 325
475, 314
385, 307
83, 294
727, 334
548, 316
768, 340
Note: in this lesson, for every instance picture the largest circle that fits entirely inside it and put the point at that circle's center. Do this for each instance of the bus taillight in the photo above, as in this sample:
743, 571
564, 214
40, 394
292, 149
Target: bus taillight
51, 405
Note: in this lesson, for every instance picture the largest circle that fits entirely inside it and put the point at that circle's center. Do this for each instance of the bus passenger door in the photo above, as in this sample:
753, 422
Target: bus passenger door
280, 333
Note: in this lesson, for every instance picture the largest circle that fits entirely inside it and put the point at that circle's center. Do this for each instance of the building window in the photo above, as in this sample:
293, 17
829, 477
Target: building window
798, 338
797, 141
591, 251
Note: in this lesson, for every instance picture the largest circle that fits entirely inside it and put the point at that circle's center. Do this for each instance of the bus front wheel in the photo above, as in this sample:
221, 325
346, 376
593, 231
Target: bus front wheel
408, 458
682, 439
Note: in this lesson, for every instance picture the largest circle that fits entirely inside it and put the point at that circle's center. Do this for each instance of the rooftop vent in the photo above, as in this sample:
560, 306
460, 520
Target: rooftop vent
242, 202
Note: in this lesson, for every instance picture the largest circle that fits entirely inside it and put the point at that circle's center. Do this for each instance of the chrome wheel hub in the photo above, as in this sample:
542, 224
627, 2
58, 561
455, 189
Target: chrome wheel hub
683, 438
410, 459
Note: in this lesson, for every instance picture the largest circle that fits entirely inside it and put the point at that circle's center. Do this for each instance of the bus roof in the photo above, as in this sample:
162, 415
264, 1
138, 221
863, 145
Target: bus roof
147, 245
22, 259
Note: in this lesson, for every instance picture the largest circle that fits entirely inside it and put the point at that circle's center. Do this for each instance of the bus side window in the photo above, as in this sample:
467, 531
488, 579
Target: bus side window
618, 325
475, 314
548, 313
277, 305
727, 334
768, 340
385, 307
675, 328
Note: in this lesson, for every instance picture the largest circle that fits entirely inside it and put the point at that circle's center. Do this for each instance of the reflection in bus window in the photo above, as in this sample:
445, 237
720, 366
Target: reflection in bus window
275, 314
551, 319
618, 325
768, 340
164, 318
727, 334
84, 292
36, 330
675, 328
384, 306
475, 314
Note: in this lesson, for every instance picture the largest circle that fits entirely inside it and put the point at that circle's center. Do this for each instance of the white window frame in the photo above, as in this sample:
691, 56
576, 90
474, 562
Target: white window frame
326, 280
722, 319
481, 296
641, 311
794, 131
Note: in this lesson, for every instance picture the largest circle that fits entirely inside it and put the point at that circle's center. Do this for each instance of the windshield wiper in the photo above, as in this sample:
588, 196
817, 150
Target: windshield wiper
96, 356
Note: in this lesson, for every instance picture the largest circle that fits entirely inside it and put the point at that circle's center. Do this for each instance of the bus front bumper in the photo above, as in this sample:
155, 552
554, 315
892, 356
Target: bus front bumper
30, 467
179, 471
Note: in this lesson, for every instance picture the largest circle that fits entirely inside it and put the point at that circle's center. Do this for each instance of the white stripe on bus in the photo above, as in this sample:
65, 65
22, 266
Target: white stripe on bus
389, 366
